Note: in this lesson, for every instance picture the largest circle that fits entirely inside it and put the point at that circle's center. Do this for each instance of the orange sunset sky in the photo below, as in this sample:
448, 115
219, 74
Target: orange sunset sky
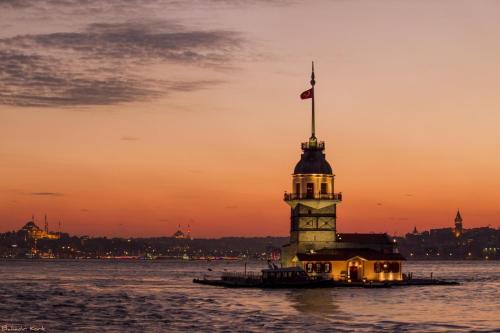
127, 118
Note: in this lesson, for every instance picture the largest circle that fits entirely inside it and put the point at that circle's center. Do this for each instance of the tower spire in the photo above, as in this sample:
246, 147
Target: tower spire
313, 120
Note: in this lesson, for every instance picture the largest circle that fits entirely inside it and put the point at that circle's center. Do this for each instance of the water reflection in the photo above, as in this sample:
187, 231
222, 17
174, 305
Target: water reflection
317, 301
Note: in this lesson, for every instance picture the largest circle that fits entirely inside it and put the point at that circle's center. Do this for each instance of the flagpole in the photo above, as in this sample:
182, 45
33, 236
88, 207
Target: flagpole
313, 123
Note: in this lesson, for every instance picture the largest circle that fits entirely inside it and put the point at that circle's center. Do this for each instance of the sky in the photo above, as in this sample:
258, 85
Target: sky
128, 118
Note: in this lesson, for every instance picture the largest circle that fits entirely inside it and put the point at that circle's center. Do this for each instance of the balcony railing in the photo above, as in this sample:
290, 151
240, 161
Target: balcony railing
313, 196
317, 145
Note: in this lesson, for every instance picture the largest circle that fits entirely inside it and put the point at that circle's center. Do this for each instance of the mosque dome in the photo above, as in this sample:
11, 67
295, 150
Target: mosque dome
30, 226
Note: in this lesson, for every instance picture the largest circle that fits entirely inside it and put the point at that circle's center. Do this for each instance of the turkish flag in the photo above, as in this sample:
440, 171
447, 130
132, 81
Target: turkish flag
307, 94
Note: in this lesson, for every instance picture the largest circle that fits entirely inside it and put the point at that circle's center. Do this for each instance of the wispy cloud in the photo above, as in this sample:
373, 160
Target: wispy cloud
49, 194
129, 138
103, 63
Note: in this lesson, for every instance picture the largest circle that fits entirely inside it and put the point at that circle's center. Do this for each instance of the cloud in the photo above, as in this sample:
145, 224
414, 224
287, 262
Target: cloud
129, 138
96, 6
138, 41
16, 3
48, 194
105, 63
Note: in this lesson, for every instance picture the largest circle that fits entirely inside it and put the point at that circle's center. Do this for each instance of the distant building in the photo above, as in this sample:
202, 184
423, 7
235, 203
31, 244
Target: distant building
458, 225
34, 232
181, 235
448, 233
314, 243
415, 231
453, 243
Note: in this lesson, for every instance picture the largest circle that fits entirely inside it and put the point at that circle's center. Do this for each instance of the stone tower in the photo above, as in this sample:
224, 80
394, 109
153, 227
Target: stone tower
313, 200
458, 225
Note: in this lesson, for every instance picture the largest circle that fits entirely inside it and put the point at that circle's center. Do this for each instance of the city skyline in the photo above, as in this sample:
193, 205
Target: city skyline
144, 116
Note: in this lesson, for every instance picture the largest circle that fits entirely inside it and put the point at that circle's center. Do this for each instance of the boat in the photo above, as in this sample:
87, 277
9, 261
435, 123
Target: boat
289, 277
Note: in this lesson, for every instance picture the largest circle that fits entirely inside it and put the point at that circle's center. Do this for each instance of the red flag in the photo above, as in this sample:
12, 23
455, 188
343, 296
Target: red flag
307, 94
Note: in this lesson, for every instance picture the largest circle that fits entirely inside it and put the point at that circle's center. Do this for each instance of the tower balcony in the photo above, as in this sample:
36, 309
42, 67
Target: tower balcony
313, 196
313, 200
313, 145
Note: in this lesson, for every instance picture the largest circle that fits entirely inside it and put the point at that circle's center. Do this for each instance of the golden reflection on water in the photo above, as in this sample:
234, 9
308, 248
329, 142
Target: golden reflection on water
315, 301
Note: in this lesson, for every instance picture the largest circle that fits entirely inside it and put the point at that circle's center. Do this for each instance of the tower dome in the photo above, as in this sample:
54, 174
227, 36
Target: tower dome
313, 161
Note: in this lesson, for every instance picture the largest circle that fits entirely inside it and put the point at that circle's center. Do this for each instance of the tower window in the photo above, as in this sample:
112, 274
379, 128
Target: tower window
310, 190
324, 188
297, 188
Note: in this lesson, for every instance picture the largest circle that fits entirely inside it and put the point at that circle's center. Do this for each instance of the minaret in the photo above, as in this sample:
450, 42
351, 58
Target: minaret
46, 226
458, 225
312, 200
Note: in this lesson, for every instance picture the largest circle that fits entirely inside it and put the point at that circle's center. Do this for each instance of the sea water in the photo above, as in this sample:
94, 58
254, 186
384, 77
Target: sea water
159, 296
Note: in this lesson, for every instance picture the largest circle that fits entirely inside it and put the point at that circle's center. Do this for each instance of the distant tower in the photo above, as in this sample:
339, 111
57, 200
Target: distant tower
313, 201
46, 226
458, 225
188, 235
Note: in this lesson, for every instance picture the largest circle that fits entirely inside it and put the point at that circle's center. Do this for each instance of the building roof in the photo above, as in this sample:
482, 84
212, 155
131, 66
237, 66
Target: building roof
312, 161
347, 253
364, 238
